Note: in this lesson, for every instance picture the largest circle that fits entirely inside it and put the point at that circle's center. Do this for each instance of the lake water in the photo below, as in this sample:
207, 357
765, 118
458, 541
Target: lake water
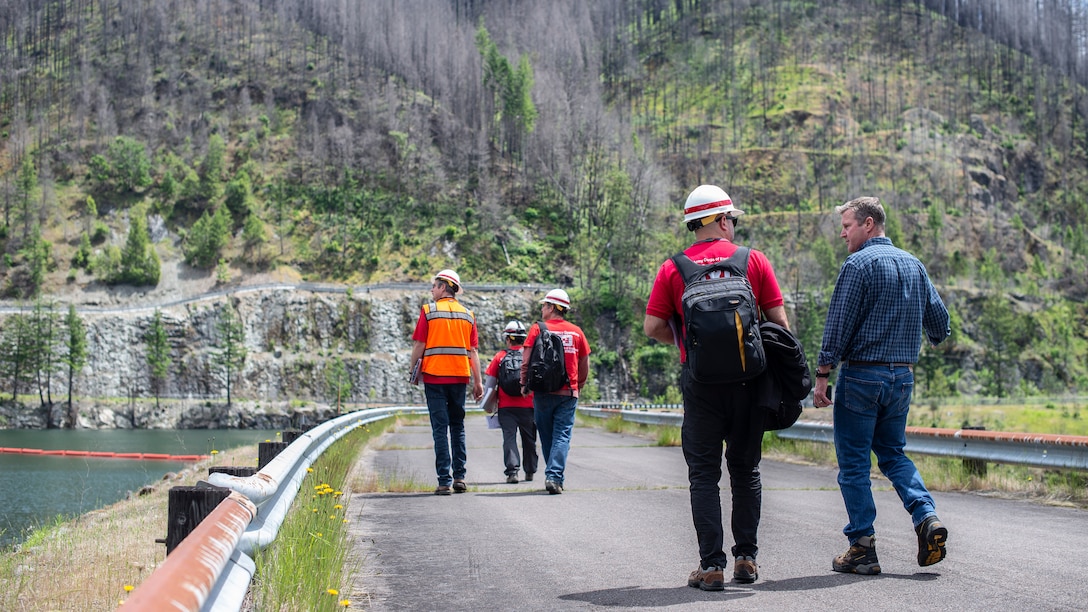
35, 489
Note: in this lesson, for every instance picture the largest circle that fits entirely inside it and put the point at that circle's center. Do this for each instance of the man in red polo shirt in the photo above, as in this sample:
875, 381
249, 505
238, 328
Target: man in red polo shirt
714, 413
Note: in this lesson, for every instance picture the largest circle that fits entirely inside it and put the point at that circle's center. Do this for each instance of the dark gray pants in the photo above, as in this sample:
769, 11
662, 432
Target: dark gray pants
513, 420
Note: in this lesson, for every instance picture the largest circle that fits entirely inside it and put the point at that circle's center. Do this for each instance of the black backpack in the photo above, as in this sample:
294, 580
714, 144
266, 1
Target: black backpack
547, 362
721, 320
510, 373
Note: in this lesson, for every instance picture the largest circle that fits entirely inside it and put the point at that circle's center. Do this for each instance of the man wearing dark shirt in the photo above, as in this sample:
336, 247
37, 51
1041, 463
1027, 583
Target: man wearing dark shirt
882, 303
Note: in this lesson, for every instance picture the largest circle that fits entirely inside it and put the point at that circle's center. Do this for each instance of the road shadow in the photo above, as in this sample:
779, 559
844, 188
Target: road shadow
633, 596
833, 579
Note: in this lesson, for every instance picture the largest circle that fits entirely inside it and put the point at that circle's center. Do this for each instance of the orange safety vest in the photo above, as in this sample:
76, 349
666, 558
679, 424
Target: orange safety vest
449, 328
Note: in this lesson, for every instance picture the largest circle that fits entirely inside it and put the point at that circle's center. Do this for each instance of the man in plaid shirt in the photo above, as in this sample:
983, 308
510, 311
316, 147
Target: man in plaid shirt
882, 303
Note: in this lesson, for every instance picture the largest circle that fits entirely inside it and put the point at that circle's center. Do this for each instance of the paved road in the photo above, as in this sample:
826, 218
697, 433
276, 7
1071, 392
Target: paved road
620, 537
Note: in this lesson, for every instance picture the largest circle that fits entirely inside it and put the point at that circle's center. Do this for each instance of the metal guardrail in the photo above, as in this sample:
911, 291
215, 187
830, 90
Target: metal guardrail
211, 569
1033, 450
1028, 449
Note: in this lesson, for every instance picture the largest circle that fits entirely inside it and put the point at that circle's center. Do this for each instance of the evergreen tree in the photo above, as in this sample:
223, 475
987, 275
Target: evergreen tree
158, 354
139, 262
76, 355
206, 239
253, 236
239, 197
17, 352
232, 348
337, 381
38, 254
211, 169
46, 352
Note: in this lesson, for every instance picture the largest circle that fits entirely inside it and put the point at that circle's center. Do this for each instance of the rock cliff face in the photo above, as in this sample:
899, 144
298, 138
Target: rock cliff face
292, 339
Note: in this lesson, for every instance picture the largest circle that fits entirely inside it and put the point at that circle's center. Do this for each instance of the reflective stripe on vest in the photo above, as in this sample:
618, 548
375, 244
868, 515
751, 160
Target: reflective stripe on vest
449, 328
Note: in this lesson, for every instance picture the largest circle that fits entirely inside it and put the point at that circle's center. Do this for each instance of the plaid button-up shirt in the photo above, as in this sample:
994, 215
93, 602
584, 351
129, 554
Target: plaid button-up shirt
882, 303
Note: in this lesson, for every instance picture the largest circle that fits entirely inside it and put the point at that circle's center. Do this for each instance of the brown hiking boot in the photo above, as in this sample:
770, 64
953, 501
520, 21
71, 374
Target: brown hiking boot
745, 570
442, 490
932, 534
711, 579
459, 486
859, 559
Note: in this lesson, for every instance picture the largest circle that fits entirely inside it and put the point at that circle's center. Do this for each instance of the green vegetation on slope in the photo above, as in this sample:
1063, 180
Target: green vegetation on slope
385, 142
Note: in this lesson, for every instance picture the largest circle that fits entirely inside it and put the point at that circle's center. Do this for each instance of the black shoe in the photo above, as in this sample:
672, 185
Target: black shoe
553, 487
710, 579
745, 570
511, 479
859, 559
932, 534
528, 476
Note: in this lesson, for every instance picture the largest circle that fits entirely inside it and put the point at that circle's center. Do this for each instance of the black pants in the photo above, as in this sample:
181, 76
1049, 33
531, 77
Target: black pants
513, 420
714, 414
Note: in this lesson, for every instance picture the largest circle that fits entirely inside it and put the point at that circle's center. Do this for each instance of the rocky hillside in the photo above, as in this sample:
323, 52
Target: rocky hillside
293, 339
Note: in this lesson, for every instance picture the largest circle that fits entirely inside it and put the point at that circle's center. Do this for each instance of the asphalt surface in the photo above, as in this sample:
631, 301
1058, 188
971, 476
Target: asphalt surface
620, 537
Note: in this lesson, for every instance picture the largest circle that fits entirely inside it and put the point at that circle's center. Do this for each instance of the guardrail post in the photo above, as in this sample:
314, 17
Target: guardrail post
290, 435
188, 506
975, 467
233, 470
267, 451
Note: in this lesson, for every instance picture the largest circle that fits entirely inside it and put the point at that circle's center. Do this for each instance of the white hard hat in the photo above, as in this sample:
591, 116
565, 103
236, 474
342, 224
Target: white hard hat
557, 297
709, 200
515, 328
449, 276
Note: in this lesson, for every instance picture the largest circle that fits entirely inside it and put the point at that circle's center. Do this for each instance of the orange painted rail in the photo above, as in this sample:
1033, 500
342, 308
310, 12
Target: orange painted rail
101, 454
188, 576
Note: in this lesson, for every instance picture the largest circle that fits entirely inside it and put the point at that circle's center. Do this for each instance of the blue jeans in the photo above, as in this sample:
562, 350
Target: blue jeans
446, 406
554, 416
871, 405
714, 414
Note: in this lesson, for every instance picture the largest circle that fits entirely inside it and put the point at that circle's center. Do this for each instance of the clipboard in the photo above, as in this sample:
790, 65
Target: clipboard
489, 403
416, 375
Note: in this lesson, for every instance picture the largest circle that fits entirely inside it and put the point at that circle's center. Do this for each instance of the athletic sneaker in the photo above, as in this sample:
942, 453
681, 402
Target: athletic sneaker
553, 487
859, 559
932, 534
710, 579
511, 479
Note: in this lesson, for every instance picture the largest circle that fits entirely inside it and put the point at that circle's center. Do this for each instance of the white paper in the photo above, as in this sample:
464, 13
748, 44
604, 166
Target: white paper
492, 420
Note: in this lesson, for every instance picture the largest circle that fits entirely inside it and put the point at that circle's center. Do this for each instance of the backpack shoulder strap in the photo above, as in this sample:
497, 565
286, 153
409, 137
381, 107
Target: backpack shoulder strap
542, 326
738, 261
736, 264
688, 269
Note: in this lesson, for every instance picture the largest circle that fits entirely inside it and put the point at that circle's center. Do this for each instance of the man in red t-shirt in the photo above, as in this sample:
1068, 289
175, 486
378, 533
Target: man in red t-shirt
515, 411
554, 412
714, 413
